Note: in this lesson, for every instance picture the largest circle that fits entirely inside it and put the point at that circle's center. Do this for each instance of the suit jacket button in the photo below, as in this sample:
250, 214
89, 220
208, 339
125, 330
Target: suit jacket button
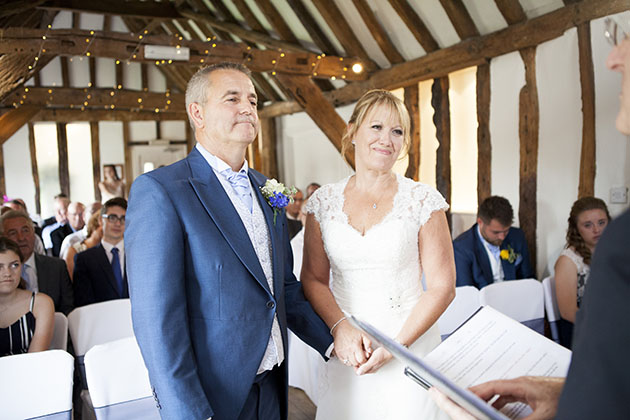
271, 304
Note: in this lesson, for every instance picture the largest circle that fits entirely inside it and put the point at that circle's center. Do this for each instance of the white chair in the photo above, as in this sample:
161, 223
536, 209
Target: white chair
36, 385
551, 307
119, 382
96, 324
464, 305
60, 334
99, 323
522, 300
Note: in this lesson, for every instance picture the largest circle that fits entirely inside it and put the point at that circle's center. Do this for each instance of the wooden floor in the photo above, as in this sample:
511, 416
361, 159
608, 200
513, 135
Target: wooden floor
300, 406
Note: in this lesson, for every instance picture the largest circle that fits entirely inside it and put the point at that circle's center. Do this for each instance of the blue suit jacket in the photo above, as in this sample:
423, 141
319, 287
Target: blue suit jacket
201, 306
93, 278
473, 265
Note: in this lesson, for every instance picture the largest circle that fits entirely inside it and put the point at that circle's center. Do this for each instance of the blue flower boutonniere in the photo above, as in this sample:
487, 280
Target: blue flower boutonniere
277, 195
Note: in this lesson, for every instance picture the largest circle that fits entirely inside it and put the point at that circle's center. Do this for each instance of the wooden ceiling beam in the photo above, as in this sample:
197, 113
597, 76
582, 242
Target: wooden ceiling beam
511, 10
342, 30
18, 6
377, 31
138, 9
70, 115
315, 32
312, 100
277, 21
460, 18
12, 121
97, 97
470, 52
127, 47
415, 25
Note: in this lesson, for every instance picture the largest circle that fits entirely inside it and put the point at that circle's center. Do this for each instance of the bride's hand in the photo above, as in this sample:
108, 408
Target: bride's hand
375, 362
351, 346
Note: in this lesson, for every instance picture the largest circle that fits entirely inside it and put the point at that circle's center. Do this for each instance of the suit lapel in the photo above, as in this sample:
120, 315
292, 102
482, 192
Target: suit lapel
482, 257
219, 207
42, 276
275, 230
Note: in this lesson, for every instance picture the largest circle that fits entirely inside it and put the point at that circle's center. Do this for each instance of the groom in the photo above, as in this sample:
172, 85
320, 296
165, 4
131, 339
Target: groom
210, 271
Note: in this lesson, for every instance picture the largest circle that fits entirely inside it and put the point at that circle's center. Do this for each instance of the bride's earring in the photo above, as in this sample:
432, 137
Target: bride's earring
353, 143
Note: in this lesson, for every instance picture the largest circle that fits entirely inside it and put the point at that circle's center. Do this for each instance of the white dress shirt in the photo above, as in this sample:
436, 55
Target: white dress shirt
494, 255
121, 253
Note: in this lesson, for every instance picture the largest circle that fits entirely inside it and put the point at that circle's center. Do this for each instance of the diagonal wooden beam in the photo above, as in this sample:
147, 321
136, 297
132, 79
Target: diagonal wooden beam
18, 6
334, 18
315, 32
511, 10
377, 31
470, 52
415, 25
460, 18
311, 99
13, 120
277, 21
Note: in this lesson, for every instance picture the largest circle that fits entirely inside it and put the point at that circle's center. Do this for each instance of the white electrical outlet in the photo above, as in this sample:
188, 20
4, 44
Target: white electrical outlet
618, 195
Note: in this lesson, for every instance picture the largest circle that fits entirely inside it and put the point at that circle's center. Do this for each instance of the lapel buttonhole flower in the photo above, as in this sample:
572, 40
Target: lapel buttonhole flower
277, 195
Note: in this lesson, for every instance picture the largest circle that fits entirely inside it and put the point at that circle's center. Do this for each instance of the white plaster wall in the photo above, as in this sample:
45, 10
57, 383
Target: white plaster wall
507, 77
560, 142
80, 162
18, 176
173, 130
111, 142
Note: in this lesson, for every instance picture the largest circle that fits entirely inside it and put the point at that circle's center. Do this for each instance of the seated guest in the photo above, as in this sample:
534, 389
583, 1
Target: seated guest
492, 250
41, 273
60, 218
293, 213
311, 188
94, 236
587, 220
99, 272
79, 235
75, 224
27, 319
19, 205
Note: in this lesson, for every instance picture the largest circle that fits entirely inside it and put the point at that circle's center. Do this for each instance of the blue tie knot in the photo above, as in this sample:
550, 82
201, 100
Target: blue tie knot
240, 183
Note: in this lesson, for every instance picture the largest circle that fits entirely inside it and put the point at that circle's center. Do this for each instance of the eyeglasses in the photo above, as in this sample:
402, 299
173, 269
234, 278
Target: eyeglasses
114, 219
615, 32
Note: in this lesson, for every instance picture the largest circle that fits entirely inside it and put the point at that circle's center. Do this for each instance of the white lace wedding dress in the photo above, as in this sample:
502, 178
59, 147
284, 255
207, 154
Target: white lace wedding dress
376, 277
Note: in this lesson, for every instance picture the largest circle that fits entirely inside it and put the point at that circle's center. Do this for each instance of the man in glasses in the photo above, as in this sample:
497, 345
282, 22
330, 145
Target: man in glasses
99, 272
598, 385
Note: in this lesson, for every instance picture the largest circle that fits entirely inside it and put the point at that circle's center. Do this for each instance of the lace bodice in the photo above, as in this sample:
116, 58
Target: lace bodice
582, 268
377, 273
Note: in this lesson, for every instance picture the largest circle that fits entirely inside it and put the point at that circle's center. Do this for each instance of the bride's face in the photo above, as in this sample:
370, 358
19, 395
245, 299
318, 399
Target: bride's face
379, 139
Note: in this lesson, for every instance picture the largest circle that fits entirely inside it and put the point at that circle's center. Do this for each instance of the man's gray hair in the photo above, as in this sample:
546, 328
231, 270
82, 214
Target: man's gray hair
13, 214
197, 89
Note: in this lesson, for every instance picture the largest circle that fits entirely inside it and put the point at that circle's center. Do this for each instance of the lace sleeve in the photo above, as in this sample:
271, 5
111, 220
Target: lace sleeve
322, 203
426, 200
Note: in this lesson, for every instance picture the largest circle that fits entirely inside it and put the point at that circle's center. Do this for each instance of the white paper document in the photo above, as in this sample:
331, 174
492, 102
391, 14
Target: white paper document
491, 346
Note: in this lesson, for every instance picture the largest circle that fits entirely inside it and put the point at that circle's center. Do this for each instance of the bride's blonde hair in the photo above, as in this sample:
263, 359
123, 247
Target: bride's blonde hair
363, 107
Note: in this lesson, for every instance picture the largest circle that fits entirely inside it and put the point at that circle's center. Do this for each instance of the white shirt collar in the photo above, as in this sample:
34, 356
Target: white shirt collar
216, 163
31, 261
108, 247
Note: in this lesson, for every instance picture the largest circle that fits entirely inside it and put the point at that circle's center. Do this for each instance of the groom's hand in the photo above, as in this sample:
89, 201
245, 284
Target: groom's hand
351, 346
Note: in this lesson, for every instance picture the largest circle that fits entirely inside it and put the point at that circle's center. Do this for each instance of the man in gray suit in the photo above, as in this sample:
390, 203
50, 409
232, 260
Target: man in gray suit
41, 273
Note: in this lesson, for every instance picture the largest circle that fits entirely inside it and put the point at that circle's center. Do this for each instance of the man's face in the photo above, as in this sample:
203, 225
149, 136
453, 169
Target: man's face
493, 232
21, 231
75, 216
61, 210
229, 115
114, 224
619, 60
294, 208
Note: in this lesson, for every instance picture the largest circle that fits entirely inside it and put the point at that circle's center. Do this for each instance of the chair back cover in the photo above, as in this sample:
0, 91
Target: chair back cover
99, 323
36, 385
60, 334
551, 307
465, 304
119, 382
522, 300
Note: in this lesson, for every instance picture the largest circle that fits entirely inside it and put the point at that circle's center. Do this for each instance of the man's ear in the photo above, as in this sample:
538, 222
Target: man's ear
195, 113
479, 221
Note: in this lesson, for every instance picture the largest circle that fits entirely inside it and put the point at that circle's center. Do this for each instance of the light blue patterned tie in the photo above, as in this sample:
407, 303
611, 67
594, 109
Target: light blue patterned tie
240, 184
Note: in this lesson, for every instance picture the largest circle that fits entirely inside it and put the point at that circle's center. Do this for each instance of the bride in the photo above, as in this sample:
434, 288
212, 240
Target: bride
377, 232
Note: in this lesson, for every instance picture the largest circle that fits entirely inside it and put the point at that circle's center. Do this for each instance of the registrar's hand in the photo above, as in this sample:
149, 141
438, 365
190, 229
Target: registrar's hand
540, 393
447, 405
351, 346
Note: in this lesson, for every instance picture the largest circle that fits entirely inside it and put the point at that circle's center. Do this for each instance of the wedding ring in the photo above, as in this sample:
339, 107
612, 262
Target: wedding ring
346, 362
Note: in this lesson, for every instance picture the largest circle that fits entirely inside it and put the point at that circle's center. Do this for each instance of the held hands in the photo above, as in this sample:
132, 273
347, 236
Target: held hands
351, 346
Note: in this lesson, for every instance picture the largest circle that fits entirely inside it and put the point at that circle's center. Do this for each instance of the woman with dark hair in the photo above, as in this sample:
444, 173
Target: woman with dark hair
27, 318
111, 186
589, 216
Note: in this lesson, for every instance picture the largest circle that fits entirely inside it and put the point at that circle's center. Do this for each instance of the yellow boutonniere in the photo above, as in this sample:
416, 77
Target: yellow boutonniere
508, 254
